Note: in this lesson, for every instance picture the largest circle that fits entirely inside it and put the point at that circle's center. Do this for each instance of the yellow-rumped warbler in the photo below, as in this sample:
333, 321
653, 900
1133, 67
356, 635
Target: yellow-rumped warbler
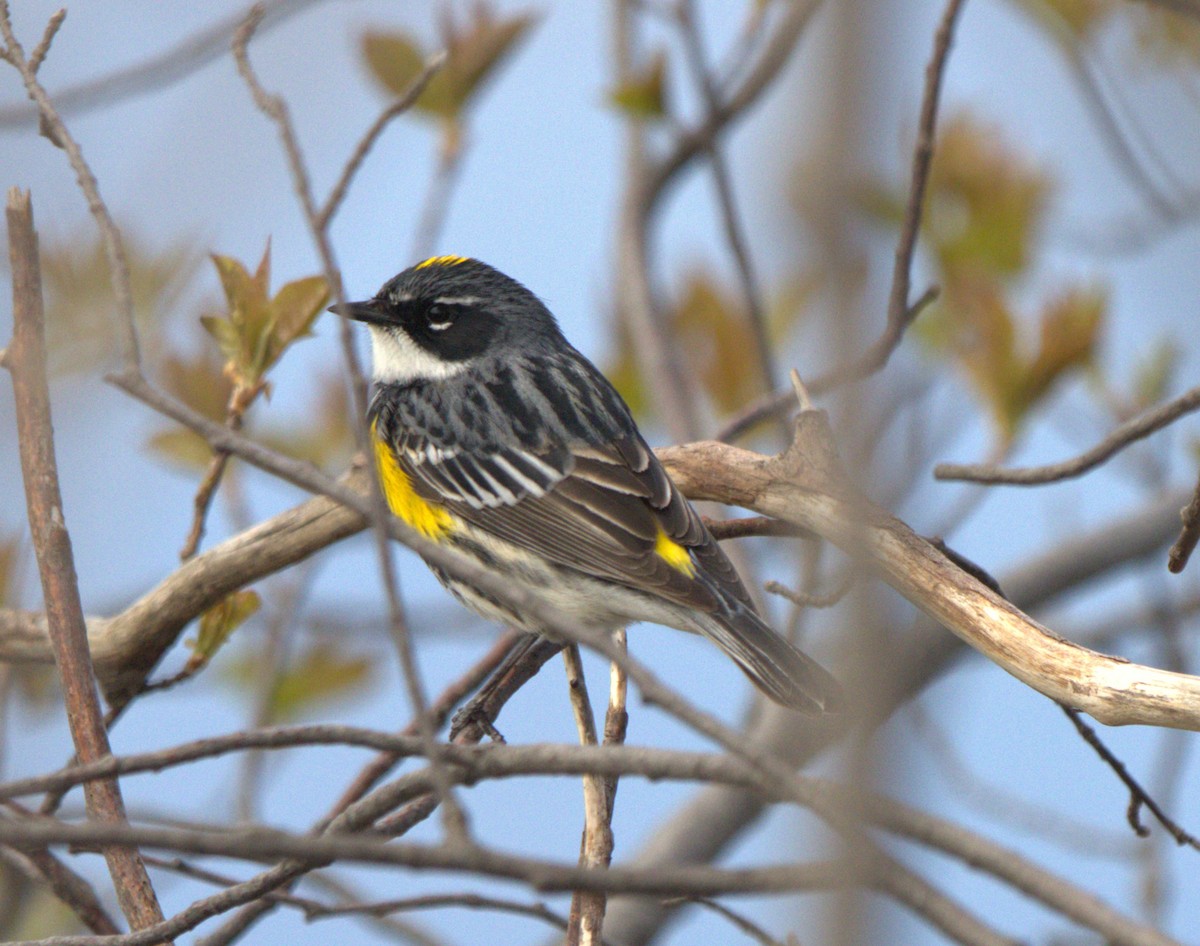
495, 436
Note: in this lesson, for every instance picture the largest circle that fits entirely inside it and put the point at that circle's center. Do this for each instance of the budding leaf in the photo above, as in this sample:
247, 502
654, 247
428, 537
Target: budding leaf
219, 622
258, 328
643, 94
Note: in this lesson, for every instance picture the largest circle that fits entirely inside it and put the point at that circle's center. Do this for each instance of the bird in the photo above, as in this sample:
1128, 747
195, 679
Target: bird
493, 435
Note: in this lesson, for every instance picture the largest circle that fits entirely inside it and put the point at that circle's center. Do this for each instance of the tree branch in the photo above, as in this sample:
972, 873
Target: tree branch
1127, 433
56, 563
804, 487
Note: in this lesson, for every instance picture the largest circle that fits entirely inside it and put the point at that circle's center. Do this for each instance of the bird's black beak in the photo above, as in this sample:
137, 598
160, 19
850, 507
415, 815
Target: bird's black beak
371, 311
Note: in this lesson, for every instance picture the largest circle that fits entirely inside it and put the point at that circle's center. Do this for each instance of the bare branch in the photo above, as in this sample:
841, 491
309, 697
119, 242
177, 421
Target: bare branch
928, 902
735, 237
471, 901
542, 875
38, 56
804, 486
900, 314
52, 543
743, 923
779, 402
587, 908
274, 107
734, 103
810, 600
42, 867
726, 813
114, 248
748, 526
1189, 535
363, 148
1133, 430
1138, 797
157, 72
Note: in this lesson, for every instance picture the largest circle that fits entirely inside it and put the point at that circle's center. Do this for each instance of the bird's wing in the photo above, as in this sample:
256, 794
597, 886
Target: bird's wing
609, 511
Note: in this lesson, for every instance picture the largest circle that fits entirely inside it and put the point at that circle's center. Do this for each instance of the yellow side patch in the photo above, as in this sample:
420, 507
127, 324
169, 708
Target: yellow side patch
674, 554
442, 261
431, 521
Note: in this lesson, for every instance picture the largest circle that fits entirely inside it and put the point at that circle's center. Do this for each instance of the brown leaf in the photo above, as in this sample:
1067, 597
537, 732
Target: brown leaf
473, 52
986, 203
1070, 331
713, 328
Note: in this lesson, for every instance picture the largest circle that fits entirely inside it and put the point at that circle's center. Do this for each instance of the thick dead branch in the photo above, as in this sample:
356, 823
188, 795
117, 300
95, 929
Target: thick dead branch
803, 486
791, 488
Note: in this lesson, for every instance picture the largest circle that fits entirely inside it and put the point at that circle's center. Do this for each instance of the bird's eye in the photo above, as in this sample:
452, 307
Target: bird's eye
440, 317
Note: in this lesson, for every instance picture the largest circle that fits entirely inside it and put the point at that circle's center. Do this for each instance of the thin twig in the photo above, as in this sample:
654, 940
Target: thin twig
1138, 797
470, 901
158, 72
1133, 430
1189, 535
274, 107
70, 888
735, 236
900, 314
38, 56
249, 893
734, 103
240, 400
940, 834
778, 402
648, 184
587, 909
804, 599
1076, 837
742, 922
56, 563
401, 105
407, 933
114, 248
254, 844
747, 526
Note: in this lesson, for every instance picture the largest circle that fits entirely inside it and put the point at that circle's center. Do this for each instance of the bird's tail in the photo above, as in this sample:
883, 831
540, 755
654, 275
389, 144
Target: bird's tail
785, 674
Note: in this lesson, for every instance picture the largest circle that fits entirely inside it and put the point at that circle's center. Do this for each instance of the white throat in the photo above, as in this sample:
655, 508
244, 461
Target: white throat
397, 358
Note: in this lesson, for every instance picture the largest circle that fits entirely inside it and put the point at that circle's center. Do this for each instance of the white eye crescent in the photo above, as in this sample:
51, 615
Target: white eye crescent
437, 320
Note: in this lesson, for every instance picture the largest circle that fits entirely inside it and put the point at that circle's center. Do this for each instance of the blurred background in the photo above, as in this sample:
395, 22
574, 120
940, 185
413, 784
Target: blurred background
1060, 229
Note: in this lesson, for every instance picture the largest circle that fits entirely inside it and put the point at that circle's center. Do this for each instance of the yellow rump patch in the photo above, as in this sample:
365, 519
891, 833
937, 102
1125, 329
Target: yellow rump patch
442, 261
430, 520
674, 554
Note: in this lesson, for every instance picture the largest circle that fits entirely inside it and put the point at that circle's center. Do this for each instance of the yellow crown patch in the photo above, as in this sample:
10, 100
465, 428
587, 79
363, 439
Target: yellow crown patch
442, 261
